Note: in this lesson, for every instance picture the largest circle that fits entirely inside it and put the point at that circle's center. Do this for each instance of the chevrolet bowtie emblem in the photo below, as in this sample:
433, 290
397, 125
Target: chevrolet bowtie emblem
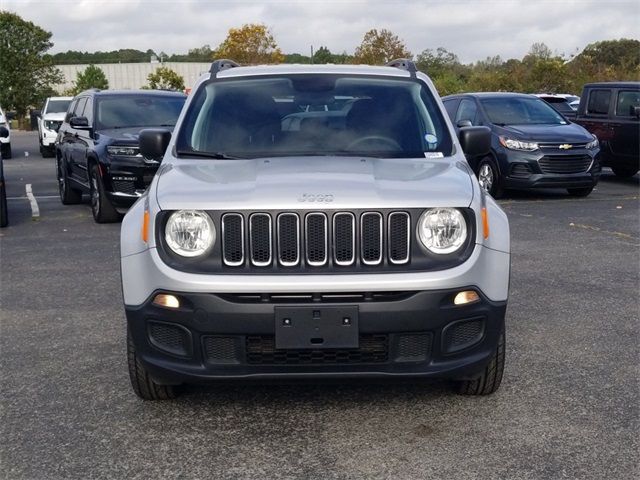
565, 146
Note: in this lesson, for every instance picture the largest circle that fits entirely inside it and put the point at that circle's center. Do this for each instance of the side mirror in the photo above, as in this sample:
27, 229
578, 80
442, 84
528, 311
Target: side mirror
464, 123
475, 141
81, 123
4, 133
37, 113
153, 143
636, 111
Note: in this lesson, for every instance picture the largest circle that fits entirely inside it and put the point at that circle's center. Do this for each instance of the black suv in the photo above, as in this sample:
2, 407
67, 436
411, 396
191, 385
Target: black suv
611, 111
97, 147
532, 145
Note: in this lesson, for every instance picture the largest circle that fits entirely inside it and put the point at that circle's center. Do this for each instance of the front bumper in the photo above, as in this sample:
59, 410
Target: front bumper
546, 169
127, 179
218, 336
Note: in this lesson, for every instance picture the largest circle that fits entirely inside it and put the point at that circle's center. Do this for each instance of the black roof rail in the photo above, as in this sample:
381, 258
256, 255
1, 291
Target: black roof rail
222, 64
404, 64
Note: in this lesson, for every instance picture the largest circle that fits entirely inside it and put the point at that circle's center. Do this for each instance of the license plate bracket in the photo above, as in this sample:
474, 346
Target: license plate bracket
316, 327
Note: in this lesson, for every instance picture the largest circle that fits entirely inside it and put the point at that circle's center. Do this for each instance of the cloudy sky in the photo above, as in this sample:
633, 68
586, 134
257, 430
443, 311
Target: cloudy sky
471, 29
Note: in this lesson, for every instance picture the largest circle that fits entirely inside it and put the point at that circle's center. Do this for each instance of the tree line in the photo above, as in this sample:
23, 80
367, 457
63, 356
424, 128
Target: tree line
28, 73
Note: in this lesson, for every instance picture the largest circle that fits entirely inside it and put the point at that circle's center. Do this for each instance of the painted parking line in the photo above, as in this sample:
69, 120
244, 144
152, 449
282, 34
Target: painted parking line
37, 197
35, 211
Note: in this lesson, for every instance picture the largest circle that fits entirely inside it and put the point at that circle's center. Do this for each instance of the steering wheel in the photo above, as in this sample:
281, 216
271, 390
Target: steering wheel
390, 143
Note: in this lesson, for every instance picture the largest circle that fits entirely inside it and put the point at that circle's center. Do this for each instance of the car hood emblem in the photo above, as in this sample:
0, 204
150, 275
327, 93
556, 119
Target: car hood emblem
565, 146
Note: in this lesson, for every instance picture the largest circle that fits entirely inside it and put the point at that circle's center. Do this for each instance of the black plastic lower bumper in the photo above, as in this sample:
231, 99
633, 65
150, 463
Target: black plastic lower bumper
215, 336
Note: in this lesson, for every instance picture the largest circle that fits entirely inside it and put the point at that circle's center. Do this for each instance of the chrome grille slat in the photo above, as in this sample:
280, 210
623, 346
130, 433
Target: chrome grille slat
399, 237
288, 236
316, 242
260, 239
233, 239
371, 238
344, 238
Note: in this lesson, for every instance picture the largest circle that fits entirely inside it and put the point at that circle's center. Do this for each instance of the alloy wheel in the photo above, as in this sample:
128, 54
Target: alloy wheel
486, 177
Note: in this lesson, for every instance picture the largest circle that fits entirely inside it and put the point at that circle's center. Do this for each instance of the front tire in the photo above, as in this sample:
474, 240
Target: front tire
624, 171
101, 208
580, 192
143, 385
5, 150
489, 381
489, 177
4, 211
68, 194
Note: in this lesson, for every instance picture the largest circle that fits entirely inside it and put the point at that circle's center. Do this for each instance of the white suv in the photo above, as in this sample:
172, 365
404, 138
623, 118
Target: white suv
49, 121
5, 142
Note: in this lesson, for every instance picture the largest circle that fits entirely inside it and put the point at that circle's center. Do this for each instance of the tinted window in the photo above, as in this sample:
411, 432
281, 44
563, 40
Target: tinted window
627, 102
124, 111
58, 106
467, 111
72, 109
520, 111
451, 107
599, 102
77, 112
297, 115
88, 110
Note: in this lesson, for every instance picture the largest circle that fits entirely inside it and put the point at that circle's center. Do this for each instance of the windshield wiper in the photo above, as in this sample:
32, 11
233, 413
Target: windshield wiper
214, 155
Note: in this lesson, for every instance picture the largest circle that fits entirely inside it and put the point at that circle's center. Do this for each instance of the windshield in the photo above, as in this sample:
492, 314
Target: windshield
520, 111
314, 115
58, 106
142, 111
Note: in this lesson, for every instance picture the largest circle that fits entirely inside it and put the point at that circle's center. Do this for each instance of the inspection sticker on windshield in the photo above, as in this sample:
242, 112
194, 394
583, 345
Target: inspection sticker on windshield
431, 138
433, 154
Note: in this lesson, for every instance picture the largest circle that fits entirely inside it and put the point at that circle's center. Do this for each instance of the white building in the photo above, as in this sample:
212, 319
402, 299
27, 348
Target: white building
130, 76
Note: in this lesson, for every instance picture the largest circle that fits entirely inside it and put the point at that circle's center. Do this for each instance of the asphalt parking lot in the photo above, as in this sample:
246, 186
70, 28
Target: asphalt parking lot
568, 406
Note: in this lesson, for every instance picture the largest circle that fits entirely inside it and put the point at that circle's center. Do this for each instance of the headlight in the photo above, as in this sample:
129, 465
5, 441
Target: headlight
190, 233
594, 143
52, 125
518, 144
123, 150
442, 230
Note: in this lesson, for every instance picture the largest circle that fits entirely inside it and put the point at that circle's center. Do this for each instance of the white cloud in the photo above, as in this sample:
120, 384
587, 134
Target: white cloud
471, 29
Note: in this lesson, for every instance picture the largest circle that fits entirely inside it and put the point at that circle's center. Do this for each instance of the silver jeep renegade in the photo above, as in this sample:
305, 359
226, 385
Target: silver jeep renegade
314, 221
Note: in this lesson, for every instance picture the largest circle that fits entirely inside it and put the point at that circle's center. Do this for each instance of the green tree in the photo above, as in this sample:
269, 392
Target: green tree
165, 79
378, 48
91, 77
323, 55
250, 44
26, 74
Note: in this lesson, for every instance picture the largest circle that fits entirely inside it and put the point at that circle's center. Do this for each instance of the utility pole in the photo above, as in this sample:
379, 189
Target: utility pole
311, 61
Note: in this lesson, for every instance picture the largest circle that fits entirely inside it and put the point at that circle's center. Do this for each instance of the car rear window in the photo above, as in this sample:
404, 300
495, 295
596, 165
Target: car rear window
317, 115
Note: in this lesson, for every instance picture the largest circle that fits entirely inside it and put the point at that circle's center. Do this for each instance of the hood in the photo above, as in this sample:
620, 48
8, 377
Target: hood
55, 117
313, 183
126, 135
569, 133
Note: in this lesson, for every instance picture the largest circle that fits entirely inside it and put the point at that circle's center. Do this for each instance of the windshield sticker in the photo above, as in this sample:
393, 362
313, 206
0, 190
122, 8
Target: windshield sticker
433, 155
431, 139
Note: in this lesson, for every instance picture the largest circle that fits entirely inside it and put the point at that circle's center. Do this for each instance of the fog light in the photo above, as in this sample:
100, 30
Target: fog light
167, 301
467, 296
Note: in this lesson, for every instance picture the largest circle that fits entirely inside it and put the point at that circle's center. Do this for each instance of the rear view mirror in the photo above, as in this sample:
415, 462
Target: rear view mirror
475, 141
153, 143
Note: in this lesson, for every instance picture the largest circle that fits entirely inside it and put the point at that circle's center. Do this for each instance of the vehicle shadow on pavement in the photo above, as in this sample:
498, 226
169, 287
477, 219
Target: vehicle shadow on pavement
19, 213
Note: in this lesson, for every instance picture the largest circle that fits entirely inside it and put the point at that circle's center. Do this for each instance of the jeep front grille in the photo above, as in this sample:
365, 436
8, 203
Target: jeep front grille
315, 239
